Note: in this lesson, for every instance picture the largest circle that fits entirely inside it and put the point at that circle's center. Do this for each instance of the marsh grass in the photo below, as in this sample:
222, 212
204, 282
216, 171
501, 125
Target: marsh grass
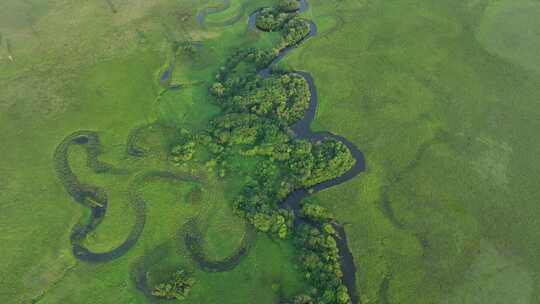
447, 129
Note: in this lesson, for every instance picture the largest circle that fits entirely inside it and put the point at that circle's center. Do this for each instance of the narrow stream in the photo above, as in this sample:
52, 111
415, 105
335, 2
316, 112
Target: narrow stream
201, 15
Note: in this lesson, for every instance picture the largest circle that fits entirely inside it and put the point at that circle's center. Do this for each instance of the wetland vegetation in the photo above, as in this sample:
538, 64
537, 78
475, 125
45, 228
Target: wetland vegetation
209, 151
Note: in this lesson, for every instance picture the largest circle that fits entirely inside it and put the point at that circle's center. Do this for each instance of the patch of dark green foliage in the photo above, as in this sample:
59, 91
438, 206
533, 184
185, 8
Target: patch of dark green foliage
277, 19
316, 239
177, 287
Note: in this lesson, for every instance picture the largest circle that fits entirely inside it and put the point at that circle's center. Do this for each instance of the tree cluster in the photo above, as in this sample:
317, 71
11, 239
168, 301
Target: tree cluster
242, 64
316, 239
259, 201
289, 164
327, 160
283, 18
271, 19
255, 123
177, 287
282, 97
294, 30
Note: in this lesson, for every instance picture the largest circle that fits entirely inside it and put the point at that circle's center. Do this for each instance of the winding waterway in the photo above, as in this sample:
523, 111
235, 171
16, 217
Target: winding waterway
201, 15
96, 198
93, 197
302, 130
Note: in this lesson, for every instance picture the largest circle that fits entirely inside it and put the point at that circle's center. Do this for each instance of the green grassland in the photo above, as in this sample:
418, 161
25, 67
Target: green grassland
441, 96
446, 110
96, 66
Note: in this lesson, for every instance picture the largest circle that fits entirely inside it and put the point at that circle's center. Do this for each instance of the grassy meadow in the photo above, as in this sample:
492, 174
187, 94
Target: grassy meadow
441, 96
96, 66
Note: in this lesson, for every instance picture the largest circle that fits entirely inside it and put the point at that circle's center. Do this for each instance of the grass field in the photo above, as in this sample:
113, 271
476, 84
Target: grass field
445, 110
441, 96
96, 66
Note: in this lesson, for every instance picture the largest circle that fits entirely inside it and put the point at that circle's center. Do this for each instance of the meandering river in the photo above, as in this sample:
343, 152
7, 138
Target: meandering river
303, 130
